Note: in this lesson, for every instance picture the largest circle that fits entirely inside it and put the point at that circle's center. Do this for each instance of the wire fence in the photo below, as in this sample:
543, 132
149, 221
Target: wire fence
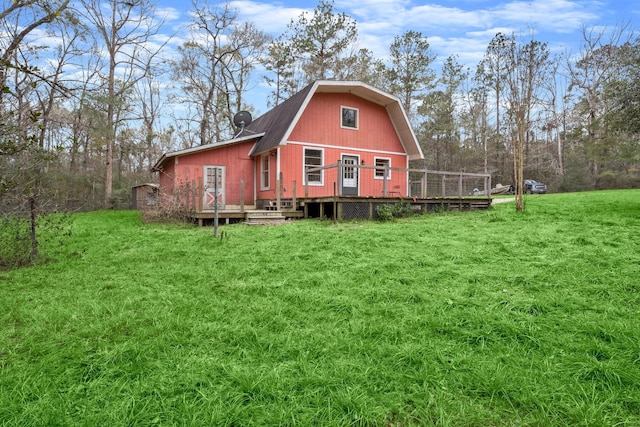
452, 184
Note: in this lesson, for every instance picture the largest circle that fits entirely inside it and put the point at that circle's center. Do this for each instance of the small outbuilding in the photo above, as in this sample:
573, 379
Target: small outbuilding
144, 196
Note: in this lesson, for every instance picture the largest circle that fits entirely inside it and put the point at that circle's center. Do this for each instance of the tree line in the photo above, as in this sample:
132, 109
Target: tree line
92, 94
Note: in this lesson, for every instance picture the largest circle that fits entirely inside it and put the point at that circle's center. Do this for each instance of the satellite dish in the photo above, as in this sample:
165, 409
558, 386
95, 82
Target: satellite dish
242, 119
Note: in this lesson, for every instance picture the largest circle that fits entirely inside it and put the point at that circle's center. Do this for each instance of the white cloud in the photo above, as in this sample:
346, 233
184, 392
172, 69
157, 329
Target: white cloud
271, 18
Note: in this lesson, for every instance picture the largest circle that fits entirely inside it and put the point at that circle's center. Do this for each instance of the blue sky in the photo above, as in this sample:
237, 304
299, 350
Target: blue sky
462, 27
452, 27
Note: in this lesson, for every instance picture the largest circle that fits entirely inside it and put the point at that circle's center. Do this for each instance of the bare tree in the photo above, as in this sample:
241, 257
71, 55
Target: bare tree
248, 45
597, 63
493, 67
150, 104
23, 121
42, 13
124, 29
526, 68
477, 114
553, 120
201, 67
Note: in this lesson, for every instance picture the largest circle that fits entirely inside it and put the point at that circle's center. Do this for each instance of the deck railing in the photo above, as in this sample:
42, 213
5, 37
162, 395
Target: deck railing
420, 183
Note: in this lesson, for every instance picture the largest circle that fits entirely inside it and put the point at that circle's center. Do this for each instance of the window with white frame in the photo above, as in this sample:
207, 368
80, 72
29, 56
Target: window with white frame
313, 158
349, 117
264, 171
381, 164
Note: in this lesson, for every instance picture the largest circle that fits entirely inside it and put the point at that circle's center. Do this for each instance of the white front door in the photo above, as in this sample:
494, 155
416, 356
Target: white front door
349, 175
211, 196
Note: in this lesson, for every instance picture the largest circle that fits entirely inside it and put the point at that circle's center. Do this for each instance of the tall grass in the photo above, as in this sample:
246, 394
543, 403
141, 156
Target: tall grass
454, 319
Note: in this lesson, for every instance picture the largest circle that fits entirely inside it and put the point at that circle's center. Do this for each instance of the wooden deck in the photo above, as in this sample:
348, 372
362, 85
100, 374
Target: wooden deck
340, 208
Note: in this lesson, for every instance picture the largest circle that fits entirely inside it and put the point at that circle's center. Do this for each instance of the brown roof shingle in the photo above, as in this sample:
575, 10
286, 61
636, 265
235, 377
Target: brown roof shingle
277, 121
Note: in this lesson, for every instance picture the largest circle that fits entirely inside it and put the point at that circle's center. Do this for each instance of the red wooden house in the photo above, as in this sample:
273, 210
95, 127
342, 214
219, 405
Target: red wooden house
332, 138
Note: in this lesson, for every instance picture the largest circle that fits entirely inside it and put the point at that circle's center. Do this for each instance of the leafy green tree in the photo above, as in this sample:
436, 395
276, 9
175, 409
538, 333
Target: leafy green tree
442, 110
322, 42
410, 72
363, 66
281, 64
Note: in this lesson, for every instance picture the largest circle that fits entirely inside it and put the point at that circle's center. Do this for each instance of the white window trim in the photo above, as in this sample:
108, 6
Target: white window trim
262, 171
304, 167
375, 175
344, 107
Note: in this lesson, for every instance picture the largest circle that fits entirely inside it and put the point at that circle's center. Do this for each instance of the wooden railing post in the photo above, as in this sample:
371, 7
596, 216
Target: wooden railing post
294, 204
340, 175
424, 189
279, 191
241, 195
384, 180
198, 195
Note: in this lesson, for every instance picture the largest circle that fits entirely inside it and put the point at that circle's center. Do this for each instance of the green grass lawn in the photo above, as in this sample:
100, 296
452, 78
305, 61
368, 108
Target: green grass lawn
452, 319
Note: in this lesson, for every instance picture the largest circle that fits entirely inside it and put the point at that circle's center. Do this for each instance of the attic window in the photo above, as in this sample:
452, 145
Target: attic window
349, 118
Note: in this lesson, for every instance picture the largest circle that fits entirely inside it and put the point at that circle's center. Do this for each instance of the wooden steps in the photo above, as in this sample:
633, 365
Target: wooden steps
264, 217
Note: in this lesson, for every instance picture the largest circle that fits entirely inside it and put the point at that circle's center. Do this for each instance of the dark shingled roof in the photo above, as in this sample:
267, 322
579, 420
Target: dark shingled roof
276, 122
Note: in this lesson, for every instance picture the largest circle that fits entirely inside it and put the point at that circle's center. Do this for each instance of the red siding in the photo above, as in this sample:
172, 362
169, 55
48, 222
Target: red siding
189, 169
320, 123
319, 127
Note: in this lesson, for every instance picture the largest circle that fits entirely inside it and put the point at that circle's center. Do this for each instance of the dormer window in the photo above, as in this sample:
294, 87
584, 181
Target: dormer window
349, 118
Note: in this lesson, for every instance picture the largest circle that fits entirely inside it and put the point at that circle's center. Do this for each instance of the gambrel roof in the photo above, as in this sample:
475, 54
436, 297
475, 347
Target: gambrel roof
273, 128
278, 123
